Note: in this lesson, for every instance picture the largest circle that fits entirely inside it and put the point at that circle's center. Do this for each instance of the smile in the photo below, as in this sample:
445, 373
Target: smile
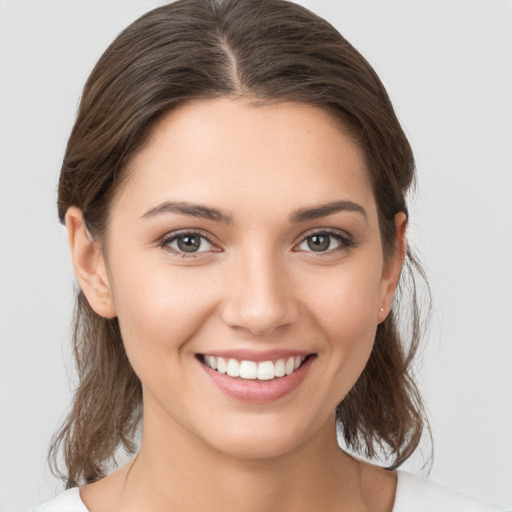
252, 370
257, 377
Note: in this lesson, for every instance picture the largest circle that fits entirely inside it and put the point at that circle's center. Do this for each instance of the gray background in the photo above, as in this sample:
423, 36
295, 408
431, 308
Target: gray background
447, 67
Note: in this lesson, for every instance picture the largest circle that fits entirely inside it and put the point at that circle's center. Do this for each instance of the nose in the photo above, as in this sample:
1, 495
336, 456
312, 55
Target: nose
259, 295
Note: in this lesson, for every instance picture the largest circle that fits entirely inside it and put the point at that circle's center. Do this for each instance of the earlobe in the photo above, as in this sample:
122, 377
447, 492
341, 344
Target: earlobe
89, 265
393, 267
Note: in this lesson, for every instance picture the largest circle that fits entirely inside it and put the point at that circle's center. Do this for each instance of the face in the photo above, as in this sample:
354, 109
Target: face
244, 262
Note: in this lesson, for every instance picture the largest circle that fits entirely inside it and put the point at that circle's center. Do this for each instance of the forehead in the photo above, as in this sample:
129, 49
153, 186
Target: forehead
223, 149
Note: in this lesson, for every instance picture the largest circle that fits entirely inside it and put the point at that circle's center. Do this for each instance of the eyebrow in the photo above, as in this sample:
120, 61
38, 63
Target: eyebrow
216, 215
191, 209
323, 210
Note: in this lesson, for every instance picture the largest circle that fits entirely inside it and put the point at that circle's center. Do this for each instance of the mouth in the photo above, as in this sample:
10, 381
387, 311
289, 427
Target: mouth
246, 369
256, 377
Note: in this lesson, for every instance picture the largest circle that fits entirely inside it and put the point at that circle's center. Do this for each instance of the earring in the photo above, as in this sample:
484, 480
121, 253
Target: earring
382, 310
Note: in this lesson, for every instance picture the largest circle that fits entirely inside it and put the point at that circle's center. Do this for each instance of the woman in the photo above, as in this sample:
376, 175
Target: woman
234, 193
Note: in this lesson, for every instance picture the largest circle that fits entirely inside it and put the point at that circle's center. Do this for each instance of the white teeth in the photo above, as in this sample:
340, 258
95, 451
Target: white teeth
248, 370
280, 368
265, 370
290, 365
221, 365
233, 369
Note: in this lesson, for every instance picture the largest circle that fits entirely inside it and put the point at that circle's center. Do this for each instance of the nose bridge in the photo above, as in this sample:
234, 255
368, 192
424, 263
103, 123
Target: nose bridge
259, 298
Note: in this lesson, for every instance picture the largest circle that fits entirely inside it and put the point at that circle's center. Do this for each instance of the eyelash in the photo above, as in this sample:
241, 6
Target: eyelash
345, 242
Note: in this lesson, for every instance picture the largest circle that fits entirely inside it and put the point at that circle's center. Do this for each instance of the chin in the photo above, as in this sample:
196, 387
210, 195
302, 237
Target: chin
261, 439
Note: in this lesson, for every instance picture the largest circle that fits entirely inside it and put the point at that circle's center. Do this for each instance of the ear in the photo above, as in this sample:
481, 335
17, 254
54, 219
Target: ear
393, 267
89, 265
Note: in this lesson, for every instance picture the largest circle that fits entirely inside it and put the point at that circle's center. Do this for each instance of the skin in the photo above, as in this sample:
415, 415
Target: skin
256, 286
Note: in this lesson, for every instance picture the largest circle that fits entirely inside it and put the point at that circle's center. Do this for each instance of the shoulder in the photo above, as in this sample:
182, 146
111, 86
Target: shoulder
68, 501
422, 495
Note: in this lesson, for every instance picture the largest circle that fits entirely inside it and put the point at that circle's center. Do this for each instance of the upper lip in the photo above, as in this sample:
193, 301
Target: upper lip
257, 355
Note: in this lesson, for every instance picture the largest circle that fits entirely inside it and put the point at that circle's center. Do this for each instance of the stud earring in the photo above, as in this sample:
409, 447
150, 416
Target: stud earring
382, 310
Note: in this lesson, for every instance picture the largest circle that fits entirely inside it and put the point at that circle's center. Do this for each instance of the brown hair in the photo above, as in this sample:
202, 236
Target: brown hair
266, 50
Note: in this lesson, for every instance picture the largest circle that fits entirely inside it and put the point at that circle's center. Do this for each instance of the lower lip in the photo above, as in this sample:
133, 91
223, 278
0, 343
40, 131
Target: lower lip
258, 391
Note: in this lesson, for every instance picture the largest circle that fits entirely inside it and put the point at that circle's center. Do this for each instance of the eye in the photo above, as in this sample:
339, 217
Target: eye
324, 241
187, 243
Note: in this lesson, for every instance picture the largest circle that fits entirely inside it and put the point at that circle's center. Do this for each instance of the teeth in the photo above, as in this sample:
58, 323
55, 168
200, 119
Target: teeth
280, 368
248, 370
266, 370
233, 368
221, 365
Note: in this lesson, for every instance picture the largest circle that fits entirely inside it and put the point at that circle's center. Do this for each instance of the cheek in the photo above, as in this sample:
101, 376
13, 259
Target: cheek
347, 299
344, 309
159, 309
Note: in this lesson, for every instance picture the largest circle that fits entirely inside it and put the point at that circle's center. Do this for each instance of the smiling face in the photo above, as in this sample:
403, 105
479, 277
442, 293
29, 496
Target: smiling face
244, 261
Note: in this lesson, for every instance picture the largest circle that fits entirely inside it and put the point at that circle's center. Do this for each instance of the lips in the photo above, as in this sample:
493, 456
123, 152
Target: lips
256, 377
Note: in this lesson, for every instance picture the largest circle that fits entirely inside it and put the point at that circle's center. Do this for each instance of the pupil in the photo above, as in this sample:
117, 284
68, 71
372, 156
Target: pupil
189, 243
318, 242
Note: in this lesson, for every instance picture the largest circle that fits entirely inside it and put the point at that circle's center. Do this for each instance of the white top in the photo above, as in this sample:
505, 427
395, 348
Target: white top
413, 493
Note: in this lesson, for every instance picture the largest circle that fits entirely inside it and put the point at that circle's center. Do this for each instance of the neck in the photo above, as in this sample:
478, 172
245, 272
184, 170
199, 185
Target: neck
177, 471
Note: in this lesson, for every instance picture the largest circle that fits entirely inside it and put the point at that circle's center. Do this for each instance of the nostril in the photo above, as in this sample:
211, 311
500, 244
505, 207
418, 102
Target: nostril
259, 322
258, 296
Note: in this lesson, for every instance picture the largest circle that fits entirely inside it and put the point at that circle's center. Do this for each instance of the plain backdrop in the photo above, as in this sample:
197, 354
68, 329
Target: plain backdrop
447, 67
